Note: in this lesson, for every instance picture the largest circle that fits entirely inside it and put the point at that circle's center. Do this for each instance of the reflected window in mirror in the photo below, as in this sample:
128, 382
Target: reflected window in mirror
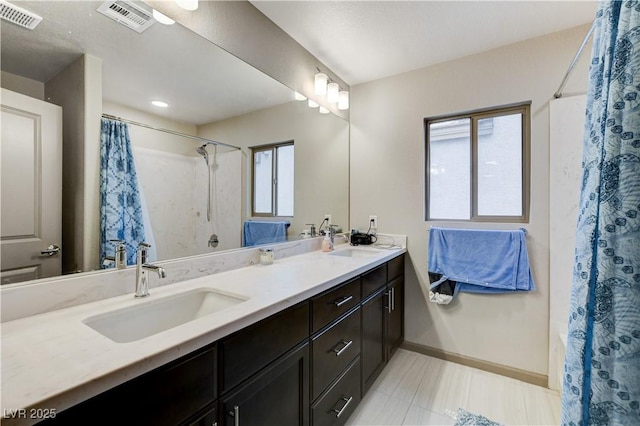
272, 179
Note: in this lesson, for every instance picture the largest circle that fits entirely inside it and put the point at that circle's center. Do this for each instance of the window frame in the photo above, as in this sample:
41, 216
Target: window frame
523, 108
273, 147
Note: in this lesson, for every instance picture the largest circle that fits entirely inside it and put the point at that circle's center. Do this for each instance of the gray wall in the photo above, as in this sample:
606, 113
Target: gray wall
387, 140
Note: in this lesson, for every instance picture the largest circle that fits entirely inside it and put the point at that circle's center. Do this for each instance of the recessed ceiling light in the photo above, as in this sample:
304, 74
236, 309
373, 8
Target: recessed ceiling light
163, 19
160, 104
188, 4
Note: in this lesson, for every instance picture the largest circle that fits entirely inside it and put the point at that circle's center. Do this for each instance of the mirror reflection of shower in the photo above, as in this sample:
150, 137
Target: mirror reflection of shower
202, 150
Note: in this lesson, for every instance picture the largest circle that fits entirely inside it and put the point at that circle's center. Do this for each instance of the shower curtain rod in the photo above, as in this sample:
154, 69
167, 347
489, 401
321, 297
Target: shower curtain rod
558, 93
173, 132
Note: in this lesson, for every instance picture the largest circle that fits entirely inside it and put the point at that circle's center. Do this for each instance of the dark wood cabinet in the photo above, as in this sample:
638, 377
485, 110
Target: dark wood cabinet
335, 406
247, 351
335, 302
208, 417
395, 317
169, 395
277, 395
373, 280
333, 350
373, 343
310, 363
382, 319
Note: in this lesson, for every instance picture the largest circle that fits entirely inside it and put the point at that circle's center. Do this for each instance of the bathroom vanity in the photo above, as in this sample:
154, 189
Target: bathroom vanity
302, 354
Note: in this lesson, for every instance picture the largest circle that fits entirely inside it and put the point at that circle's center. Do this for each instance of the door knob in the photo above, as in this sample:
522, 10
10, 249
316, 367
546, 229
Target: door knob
50, 251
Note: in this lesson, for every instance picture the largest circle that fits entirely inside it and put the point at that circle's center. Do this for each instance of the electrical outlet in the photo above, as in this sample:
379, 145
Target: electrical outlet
329, 220
373, 221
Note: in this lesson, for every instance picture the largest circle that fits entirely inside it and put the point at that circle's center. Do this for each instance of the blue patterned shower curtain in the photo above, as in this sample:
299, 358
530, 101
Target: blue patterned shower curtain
601, 384
121, 215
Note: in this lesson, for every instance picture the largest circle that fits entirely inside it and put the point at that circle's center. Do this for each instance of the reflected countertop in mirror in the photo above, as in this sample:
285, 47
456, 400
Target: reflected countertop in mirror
211, 94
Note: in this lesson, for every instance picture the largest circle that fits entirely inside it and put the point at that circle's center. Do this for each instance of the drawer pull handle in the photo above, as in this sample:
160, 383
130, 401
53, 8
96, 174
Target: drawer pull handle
389, 308
236, 415
393, 298
342, 301
346, 345
347, 401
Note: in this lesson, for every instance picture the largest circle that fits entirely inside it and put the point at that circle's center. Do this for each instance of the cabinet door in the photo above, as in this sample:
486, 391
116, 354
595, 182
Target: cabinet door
373, 342
168, 395
207, 418
249, 350
395, 312
278, 395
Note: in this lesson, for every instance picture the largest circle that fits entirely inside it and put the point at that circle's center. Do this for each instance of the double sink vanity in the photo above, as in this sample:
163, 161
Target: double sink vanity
298, 342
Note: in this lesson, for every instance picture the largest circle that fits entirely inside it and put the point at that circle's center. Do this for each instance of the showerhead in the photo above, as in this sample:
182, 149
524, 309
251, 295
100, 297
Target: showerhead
202, 150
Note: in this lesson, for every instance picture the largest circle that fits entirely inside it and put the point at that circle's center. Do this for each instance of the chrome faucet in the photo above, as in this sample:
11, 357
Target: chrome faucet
142, 281
120, 256
332, 233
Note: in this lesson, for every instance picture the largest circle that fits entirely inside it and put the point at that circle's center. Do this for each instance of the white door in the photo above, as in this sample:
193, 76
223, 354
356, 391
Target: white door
31, 188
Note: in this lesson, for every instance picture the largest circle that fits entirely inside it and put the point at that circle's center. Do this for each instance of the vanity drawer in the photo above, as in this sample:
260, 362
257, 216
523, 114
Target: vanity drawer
335, 302
373, 280
333, 350
244, 353
335, 406
396, 268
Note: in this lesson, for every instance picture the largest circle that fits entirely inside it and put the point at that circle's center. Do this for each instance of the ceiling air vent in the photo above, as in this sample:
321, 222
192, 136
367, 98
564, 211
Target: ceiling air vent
18, 15
128, 14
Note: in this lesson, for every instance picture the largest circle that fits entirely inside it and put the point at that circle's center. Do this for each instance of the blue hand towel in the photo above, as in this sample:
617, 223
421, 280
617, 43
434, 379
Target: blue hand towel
481, 261
264, 232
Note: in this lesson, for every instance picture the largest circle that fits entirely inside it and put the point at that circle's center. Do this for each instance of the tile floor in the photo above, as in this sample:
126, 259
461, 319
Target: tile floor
416, 389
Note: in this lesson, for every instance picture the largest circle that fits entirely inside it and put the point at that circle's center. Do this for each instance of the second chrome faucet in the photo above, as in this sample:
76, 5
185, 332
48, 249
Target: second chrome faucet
142, 267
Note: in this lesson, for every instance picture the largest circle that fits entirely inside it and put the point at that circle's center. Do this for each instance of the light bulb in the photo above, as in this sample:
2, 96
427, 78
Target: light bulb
323, 110
188, 4
163, 19
343, 100
332, 92
300, 97
320, 84
160, 104
313, 104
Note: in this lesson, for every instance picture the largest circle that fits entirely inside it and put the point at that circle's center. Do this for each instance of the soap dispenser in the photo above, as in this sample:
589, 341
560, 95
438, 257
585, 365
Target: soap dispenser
327, 244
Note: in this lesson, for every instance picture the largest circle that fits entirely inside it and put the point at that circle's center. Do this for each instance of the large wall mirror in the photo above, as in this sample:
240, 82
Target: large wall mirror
193, 196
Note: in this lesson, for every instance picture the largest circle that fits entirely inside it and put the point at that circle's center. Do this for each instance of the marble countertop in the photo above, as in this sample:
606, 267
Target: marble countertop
53, 361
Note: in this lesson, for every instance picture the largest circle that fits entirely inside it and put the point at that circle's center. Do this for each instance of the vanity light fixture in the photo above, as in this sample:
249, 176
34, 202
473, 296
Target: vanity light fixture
188, 4
343, 100
313, 104
332, 92
160, 104
320, 86
163, 19
323, 110
299, 96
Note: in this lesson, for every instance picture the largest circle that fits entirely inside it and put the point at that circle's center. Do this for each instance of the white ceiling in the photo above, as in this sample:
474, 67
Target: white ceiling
201, 83
359, 40
367, 40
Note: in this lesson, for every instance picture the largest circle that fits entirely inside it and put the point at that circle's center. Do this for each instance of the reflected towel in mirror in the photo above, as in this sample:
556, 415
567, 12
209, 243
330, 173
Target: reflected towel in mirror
257, 232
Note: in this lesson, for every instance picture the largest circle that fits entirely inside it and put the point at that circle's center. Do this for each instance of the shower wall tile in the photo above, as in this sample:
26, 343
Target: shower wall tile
168, 181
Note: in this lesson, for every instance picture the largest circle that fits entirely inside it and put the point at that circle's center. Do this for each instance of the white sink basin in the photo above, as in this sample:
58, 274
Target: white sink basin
152, 316
355, 252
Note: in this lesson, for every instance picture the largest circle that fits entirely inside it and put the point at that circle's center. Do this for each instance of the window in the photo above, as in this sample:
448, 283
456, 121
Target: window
477, 165
272, 180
